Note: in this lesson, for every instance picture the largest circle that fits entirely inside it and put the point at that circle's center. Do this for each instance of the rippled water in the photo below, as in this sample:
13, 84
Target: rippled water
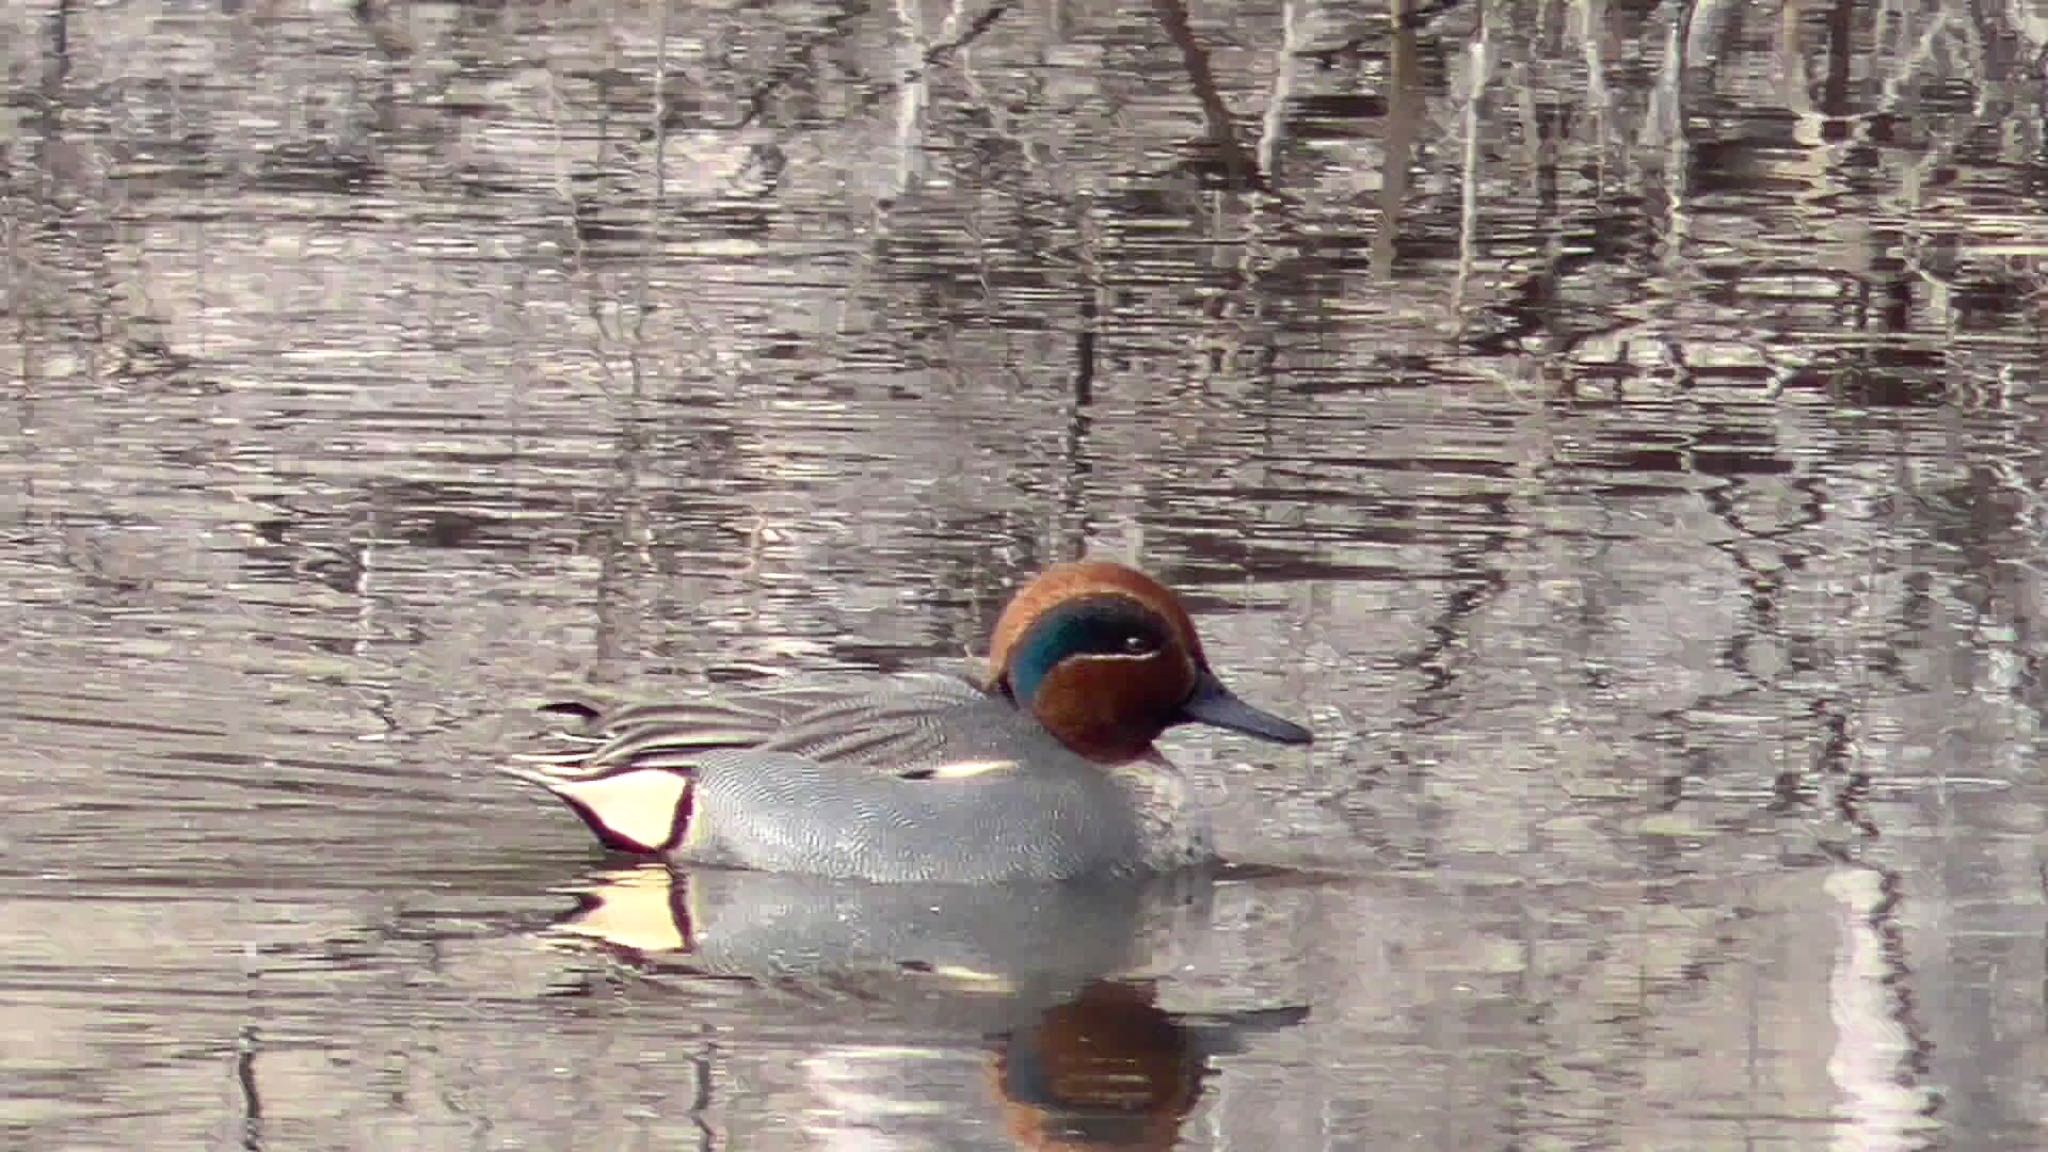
1613, 426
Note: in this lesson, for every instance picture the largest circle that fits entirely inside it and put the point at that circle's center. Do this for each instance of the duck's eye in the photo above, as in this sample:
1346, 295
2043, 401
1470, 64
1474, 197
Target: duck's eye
1138, 644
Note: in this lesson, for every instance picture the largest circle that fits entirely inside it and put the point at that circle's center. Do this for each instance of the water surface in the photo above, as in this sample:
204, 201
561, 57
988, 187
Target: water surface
1612, 426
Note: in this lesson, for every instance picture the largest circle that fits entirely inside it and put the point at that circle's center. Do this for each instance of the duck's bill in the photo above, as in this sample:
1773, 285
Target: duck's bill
1215, 705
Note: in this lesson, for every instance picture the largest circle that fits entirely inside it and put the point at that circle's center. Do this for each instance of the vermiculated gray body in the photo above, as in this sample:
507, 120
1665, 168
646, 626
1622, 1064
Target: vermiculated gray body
784, 812
905, 778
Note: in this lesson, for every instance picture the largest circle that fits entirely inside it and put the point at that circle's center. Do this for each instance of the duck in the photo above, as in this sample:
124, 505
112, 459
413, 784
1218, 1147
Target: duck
1040, 765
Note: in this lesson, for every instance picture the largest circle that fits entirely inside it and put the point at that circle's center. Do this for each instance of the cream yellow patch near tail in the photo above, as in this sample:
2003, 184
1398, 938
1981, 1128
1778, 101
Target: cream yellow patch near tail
637, 810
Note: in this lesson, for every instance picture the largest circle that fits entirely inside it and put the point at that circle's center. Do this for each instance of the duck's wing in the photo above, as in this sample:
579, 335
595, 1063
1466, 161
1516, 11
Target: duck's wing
873, 722
908, 726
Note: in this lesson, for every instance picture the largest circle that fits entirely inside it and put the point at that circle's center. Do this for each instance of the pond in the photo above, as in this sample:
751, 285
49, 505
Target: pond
1613, 427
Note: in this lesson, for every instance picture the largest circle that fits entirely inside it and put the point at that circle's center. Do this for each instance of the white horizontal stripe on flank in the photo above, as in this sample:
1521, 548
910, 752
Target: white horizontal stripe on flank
963, 769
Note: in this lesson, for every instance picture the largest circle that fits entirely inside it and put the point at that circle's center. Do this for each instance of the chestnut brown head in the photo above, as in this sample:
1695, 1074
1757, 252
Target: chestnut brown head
1106, 659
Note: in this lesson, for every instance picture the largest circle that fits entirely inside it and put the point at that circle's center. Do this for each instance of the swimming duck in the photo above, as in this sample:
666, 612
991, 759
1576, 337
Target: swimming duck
1041, 768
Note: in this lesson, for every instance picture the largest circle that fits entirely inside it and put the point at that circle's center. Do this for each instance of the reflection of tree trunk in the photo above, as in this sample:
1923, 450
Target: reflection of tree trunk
911, 98
622, 559
60, 47
1173, 16
1870, 249
1084, 349
1070, 533
1274, 129
252, 1101
1479, 60
54, 78
1404, 118
1883, 1105
1834, 100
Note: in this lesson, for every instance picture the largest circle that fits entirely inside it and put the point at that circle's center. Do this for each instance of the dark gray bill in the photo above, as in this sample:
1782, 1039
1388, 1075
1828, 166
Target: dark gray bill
1214, 704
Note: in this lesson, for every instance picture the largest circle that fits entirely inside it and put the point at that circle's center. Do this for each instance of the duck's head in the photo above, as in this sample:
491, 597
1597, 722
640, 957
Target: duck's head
1106, 658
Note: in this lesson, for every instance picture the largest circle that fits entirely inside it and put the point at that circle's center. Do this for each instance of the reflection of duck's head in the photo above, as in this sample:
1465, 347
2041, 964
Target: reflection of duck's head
1106, 658
1108, 1069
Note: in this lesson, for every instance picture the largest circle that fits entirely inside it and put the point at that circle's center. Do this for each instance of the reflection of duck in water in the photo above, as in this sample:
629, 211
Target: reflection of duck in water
1013, 979
1043, 771
980, 943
